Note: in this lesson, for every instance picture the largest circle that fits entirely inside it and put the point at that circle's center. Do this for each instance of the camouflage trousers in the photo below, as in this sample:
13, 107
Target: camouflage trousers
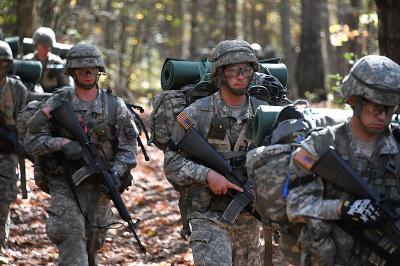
9, 191
215, 244
77, 240
288, 247
324, 243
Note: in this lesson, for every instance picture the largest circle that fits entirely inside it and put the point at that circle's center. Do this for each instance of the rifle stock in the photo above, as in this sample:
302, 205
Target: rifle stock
65, 116
337, 171
195, 145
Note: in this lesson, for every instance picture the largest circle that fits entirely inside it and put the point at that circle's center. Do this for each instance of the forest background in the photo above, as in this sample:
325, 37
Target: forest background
318, 40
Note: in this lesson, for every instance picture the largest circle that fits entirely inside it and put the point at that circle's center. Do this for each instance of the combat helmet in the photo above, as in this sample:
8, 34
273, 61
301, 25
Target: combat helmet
44, 35
5, 51
233, 52
84, 55
375, 78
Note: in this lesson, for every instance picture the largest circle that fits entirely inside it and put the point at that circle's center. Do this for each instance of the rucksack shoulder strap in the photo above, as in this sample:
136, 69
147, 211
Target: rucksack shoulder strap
206, 106
111, 103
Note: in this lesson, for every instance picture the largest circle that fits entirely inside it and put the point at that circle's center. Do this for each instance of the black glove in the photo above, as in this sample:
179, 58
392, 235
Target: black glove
117, 183
126, 182
72, 150
361, 211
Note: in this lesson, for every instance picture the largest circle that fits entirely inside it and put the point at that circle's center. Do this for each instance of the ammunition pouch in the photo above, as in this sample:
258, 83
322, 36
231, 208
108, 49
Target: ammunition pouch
103, 132
218, 128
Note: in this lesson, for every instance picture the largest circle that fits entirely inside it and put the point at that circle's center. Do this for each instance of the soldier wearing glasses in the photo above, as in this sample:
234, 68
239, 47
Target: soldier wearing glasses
367, 143
224, 119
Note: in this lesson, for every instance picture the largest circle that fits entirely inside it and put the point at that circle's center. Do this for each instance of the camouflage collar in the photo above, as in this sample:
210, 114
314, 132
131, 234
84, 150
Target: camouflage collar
224, 111
386, 144
95, 106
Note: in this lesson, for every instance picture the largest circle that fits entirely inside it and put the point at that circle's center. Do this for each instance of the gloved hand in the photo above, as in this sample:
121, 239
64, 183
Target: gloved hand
117, 183
126, 182
362, 211
72, 150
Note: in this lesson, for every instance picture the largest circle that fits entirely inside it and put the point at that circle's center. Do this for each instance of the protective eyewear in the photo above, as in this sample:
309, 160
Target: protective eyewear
377, 109
92, 71
233, 72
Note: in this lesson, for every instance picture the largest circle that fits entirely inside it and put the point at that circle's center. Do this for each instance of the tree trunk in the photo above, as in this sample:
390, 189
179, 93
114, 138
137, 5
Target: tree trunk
194, 32
108, 25
329, 63
287, 46
389, 23
230, 19
47, 12
310, 68
25, 18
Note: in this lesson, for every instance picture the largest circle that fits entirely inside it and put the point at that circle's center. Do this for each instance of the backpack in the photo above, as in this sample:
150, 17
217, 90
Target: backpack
168, 104
268, 166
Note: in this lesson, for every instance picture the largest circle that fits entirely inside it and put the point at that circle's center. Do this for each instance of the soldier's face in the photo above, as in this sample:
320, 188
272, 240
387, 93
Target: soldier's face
42, 50
86, 76
3, 68
376, 117
237, 77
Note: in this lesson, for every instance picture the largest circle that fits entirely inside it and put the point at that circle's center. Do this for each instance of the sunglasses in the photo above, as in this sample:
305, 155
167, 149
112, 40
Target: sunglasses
377, 109
233, 72
92, 71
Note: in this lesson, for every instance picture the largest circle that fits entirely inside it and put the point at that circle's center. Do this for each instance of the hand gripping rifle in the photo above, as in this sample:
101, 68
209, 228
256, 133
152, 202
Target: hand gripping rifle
65, 116
194, 144
334, 169
11, 137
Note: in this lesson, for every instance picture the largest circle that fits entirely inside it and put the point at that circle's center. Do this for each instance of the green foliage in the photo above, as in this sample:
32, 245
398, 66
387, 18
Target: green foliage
8, 17
333, 92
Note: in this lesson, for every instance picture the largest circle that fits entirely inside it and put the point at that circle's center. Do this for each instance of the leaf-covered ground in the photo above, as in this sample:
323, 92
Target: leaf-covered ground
153, 200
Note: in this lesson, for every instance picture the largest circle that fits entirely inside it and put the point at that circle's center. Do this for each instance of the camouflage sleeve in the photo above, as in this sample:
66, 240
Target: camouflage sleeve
125, 134
307, 200
23, 95
178, 169
38, 139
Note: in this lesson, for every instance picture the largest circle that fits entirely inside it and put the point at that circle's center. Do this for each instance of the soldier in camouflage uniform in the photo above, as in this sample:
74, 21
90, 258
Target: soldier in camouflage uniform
13, 96
224, 119
79, 215
366, 142
53, 76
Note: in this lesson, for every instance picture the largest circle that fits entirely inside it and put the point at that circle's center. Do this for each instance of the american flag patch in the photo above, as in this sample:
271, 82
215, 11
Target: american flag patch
304, 158
184, 120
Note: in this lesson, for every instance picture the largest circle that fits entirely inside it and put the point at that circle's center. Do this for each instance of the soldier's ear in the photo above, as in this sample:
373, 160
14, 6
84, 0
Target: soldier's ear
352, 101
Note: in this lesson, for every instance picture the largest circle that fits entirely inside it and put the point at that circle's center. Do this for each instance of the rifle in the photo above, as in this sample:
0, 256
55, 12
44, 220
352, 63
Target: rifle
66, 117
11, 137
195, 145
334, 169
140, 124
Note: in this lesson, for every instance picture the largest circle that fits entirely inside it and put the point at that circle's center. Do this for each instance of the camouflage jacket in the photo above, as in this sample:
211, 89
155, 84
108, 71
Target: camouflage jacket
119, 149
320, 199
13, 97
191, 172
53, 72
